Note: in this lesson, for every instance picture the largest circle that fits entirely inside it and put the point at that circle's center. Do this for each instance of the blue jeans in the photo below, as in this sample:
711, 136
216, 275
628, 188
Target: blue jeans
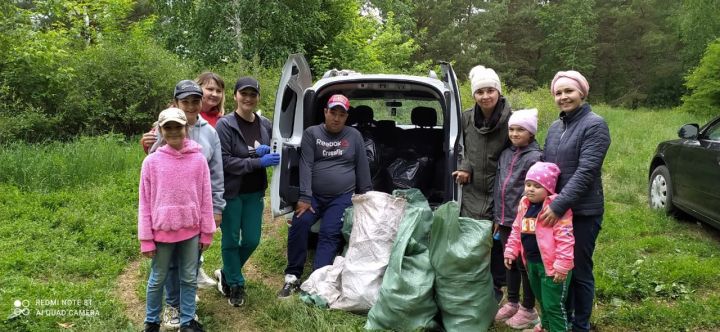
172, 283
330, 239
187, 255
582, 284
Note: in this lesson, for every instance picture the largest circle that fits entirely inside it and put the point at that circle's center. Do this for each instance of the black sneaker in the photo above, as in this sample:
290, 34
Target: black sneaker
222, 284
151, 327
292, 285
237, 296
193, 326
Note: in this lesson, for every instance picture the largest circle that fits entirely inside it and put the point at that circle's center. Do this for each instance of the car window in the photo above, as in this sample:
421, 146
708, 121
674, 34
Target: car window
401, 110
713, 133
287, 114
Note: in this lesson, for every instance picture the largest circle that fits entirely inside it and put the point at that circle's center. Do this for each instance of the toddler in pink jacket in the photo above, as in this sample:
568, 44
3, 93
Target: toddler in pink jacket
547, 251
175, 216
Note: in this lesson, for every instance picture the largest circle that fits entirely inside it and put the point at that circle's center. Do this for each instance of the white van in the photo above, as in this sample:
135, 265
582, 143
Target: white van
411, 126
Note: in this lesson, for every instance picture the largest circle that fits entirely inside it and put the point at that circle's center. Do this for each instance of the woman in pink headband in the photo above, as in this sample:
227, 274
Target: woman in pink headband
577, 142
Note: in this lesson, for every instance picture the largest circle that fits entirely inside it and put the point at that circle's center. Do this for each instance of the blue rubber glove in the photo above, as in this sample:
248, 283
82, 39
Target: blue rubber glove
270, 159
262, 150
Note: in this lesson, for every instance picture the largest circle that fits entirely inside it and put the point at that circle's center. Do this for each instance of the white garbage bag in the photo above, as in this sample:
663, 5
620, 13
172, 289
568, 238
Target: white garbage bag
376, 218
325, 281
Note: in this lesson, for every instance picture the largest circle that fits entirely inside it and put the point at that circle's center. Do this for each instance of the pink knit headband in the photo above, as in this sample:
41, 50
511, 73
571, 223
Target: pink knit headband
571, 78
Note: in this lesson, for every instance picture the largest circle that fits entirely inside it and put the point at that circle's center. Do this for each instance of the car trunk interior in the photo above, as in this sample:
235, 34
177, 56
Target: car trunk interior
404, 138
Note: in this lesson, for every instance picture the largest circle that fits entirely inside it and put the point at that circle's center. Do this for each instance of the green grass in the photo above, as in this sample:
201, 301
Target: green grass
69, 231
69, 216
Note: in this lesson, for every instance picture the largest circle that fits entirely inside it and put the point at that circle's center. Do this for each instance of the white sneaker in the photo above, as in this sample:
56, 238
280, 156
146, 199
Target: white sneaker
223, 288
171, 318
204, 281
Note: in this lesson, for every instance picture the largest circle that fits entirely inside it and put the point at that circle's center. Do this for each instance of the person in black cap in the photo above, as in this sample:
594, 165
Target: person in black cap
245, 139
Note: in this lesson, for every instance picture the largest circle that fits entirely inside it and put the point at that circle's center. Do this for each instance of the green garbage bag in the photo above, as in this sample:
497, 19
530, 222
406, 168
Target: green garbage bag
347, 227
405, 301
460, 255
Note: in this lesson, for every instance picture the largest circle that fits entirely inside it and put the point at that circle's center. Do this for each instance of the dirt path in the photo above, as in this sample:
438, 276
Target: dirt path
127, 283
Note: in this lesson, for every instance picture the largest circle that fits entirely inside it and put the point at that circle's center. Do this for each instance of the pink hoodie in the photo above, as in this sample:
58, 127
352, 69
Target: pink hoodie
175, 197
556, 243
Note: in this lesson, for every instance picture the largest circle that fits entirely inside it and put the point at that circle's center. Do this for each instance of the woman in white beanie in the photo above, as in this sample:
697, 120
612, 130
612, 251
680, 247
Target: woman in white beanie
485, 134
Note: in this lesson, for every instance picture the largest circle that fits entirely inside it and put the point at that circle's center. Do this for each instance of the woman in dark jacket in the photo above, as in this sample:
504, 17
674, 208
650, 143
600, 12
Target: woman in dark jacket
578, 142
485, 135
244, 140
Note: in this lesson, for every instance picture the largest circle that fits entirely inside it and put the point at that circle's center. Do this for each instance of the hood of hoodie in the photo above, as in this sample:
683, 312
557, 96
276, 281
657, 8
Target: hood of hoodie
189, 146
195, 130
200, 122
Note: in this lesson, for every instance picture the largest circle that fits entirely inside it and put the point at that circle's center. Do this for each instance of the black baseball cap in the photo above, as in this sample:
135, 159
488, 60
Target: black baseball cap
187, 88
247, 82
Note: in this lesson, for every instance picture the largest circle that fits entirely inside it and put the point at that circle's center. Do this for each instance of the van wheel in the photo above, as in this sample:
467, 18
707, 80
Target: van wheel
660, 190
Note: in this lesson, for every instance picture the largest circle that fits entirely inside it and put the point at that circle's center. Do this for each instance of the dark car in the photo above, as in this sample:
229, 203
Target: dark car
685, 173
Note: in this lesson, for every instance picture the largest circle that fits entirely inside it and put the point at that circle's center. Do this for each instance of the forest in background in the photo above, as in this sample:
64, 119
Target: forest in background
70, 68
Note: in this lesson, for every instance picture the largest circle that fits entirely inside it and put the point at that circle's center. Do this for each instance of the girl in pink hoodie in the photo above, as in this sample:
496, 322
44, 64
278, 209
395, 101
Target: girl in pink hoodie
547, 251
175, 216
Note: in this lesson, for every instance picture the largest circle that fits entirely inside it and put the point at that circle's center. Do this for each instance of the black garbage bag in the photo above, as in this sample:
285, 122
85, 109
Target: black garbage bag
409, 173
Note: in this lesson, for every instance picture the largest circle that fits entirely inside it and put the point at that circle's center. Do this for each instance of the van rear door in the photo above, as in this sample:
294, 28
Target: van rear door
287, 134
454, 104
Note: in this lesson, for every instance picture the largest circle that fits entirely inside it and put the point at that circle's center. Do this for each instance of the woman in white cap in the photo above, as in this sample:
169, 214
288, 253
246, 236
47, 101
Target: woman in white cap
175, 218
188, 96
580, 155
485, 134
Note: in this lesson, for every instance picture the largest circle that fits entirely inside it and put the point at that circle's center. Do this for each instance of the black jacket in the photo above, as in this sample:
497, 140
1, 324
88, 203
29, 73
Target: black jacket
578, 142
237, 162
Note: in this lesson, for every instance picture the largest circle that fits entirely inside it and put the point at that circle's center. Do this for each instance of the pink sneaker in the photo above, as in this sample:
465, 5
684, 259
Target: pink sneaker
523, 319
506, 311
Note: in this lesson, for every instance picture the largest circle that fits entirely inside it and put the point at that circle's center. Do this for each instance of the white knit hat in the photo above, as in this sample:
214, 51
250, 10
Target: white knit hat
481, 77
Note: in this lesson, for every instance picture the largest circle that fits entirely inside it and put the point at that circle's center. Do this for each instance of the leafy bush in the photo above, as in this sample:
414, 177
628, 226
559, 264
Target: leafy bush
33, 77
69, 68
267, 77
704, 83
121, 86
